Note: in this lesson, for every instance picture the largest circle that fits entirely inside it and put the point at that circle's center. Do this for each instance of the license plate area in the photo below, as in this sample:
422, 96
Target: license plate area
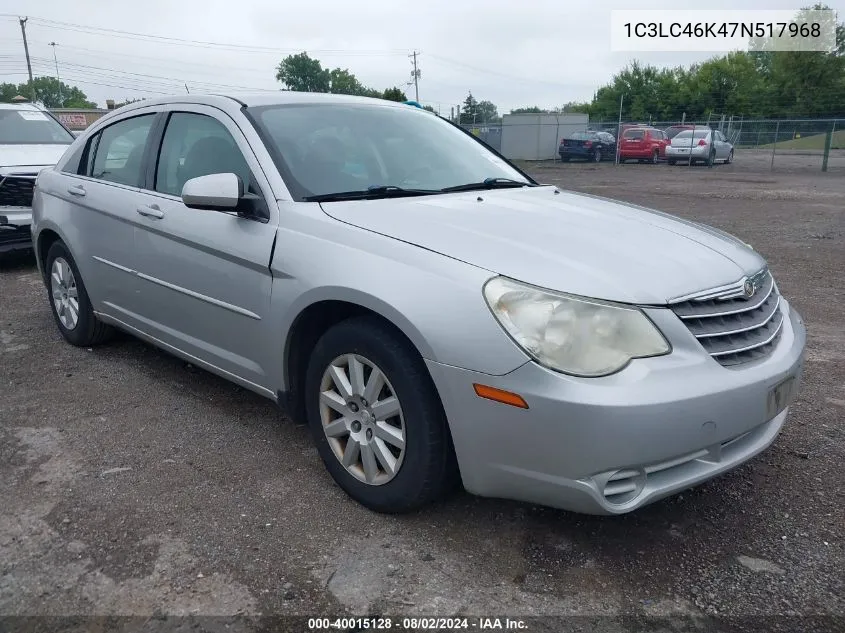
779, 397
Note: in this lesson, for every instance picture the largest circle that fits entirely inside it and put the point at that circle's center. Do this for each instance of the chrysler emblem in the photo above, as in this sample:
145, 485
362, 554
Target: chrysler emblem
748, 288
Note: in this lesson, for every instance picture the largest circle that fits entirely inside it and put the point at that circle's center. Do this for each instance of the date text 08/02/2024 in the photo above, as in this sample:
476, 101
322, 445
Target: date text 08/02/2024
417, 624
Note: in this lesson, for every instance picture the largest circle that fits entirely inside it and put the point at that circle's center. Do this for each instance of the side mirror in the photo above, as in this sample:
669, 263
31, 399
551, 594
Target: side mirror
215, 192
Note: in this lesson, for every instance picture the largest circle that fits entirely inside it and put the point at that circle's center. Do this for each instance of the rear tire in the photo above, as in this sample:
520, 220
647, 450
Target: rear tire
655, 157
424, 468
597, 156
672, 161
69, 300
730, 158
564, 159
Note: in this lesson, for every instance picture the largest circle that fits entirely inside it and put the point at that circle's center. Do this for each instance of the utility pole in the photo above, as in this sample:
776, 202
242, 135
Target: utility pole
415, 74
61, 100
26, 51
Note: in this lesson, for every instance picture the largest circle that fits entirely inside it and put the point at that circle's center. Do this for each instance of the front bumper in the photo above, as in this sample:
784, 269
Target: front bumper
15, 229
658, 427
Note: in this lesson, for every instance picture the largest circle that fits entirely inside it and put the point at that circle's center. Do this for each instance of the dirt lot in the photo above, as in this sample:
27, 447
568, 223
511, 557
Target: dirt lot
133, 484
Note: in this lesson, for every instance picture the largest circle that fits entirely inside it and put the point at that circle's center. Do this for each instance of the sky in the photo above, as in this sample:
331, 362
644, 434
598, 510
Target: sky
534, 52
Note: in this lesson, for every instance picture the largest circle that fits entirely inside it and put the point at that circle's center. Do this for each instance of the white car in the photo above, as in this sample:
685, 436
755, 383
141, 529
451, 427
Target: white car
702, 144
30, 139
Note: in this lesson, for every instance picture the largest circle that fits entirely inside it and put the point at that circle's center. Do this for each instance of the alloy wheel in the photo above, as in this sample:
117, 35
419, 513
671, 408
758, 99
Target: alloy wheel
65, 293
362, 419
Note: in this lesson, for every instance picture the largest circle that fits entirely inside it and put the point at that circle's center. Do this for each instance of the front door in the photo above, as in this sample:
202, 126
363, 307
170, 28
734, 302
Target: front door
204, 276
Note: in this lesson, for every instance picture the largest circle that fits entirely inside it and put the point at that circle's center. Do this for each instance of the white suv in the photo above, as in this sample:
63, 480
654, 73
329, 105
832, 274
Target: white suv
30, 139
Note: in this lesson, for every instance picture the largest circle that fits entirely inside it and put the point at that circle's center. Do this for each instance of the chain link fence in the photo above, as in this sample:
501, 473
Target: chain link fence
801, 143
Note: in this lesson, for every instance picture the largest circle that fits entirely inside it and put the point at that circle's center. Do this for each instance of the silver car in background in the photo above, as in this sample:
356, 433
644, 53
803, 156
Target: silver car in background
703, 145
31, 138
432, 313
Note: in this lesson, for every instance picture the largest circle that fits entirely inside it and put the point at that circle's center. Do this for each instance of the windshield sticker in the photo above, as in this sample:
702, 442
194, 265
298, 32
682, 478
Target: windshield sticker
32, 116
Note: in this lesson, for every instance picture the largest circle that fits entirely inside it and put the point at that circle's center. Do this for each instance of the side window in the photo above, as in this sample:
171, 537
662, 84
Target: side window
197, 145
119, 151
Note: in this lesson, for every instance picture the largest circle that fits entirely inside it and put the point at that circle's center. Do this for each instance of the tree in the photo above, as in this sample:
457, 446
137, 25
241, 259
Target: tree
574, 106
49, 91
429, 108
343, 82
300, 73
529, 110
487, 112
474, 111
394, 94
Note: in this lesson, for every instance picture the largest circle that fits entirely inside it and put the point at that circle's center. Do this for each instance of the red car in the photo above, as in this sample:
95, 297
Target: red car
643, 143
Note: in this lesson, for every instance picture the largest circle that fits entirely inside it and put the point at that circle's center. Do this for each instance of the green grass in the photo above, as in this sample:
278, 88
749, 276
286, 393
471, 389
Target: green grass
813, 142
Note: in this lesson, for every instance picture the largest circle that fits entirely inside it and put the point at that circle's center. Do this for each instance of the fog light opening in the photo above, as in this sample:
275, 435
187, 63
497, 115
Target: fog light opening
623, 486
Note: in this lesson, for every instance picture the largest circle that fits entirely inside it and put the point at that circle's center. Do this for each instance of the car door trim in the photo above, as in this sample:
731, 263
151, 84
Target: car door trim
108, 262
201, 297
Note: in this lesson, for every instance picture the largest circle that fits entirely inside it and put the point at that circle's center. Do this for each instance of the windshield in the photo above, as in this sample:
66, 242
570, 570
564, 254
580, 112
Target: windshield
329, 148
25, 127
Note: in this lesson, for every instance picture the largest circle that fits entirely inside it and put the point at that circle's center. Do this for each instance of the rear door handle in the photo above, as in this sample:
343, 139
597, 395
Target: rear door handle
76, 190
151, 211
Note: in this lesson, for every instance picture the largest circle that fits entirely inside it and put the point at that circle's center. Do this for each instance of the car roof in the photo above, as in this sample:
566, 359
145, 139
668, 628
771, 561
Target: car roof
252, 99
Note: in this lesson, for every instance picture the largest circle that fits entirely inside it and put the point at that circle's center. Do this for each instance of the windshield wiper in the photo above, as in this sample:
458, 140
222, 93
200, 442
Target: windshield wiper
489, 183
374, 192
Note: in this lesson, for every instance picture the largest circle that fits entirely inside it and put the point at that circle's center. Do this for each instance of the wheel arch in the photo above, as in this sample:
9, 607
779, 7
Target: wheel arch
44, 240
314, 318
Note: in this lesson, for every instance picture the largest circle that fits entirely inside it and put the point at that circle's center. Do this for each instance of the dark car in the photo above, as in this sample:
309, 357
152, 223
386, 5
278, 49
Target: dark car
589, 145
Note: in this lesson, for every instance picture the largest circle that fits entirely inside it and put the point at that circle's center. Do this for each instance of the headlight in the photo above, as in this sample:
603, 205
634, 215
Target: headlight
574, 335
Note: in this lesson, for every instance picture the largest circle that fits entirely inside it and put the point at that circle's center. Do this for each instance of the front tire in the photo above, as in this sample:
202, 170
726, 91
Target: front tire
69, 300
672, 161
376, 418
655, 157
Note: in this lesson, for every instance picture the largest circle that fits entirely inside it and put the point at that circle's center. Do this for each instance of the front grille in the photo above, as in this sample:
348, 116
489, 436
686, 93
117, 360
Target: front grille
735, 329
16, 191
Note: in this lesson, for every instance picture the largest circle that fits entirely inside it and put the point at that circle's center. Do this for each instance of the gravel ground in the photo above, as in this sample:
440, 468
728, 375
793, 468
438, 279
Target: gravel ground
133, 484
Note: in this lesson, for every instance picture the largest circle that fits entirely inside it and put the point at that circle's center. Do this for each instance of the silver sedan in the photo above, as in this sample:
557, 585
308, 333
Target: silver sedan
700, 145
433, 313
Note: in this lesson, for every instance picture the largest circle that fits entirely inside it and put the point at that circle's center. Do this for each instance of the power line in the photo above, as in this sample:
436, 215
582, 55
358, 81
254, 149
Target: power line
84, 67
95, 30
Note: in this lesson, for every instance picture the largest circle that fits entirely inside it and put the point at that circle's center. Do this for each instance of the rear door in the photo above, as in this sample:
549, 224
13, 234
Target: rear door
99, 209
204, 276
660, 142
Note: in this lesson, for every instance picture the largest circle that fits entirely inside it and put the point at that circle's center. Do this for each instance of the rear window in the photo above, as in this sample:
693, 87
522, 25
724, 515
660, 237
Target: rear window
689, 133
673, 131
633, 134
581, 136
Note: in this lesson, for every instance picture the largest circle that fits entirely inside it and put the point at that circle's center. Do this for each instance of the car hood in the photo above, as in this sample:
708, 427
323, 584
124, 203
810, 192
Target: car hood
30, 157
575, 243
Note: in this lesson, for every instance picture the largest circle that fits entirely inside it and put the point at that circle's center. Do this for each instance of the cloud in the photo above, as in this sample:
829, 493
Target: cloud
539, 52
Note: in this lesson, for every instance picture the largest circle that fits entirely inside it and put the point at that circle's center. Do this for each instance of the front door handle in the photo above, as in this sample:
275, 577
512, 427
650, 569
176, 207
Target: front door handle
76, 190
151, 211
